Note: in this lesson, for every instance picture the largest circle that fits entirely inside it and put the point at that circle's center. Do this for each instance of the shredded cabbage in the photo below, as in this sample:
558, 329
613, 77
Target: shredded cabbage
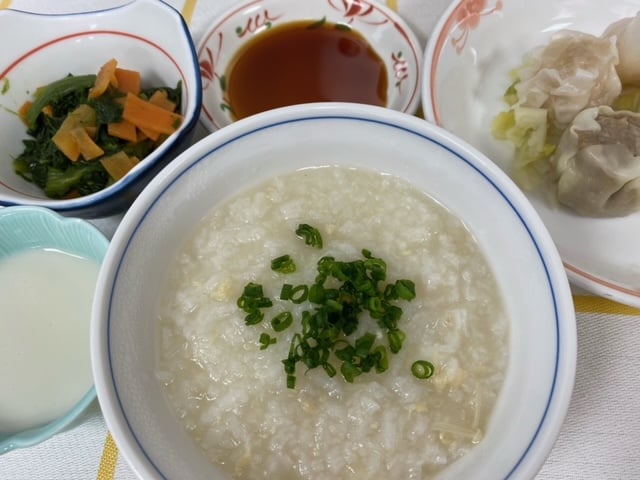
528, 129
628, 100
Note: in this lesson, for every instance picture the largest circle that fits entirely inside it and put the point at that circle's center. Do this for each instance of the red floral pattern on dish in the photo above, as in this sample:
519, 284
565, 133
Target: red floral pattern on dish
400, 69
468, 17
208, 70
257, 22
358, 9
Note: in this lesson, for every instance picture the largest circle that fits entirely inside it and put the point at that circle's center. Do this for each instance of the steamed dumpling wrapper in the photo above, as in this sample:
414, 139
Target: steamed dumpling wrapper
597, 163
574, 71
627, 35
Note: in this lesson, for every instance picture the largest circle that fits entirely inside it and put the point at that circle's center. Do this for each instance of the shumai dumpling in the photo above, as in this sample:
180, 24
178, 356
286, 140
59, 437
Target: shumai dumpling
627, 35
597, 163
574, 71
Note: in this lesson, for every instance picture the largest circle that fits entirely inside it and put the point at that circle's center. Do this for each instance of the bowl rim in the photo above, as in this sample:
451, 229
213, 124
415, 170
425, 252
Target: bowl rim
565, 362
35, 435
209, 116
189, 71
431, 56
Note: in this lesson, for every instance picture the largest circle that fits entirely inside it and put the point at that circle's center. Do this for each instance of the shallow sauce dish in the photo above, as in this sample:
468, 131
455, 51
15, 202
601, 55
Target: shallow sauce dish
26, 229
49, 47
387, 34
528, 271
467, 63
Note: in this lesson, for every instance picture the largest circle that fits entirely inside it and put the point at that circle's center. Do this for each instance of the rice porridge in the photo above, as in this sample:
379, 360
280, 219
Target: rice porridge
231, 395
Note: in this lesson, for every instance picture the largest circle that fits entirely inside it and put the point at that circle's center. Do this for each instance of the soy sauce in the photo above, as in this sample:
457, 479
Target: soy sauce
303, 62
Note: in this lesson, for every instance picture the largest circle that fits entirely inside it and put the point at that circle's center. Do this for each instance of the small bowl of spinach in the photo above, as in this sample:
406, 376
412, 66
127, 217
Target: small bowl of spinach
93, 105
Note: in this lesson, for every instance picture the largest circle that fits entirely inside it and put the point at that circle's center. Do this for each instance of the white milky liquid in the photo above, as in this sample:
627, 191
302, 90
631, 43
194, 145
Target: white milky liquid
45, 310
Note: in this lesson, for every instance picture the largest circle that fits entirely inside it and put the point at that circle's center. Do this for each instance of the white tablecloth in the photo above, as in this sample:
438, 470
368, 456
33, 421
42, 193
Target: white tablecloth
601, 435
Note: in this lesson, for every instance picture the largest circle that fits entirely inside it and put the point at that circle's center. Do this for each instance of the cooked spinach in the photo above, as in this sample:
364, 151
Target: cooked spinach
42, 163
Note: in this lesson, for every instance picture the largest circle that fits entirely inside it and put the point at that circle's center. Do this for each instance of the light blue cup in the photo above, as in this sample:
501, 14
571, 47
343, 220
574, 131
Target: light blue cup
25, 227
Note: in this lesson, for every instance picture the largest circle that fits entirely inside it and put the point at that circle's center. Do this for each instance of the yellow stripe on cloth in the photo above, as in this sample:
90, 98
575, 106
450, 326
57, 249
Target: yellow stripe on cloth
187, 10
593, 304
109, 460
5, 3
392, 4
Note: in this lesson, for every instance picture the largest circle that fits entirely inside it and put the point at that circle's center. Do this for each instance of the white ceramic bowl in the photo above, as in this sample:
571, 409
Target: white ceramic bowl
387, 33
28, 227
466, 72
45, 48
541, 368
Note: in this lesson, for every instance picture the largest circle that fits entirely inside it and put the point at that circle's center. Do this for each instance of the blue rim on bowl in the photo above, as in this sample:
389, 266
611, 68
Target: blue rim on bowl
34, 227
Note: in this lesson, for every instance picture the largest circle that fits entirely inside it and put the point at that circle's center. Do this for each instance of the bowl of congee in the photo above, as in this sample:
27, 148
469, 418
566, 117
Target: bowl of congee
332, 291
265, 54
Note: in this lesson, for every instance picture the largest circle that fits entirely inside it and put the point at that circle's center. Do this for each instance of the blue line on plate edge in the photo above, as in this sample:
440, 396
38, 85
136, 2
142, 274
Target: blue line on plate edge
346, 118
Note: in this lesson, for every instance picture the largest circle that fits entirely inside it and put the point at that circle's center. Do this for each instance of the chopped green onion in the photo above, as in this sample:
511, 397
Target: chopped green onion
330, 369
283, 264
266, 340
350, 371
382, 361
316, 293
422, 369
253, 298
364, 344
310, 235
405, 289
254, 318
282, 321
346, 354
326, 327
297, 294
285, 291
396, 338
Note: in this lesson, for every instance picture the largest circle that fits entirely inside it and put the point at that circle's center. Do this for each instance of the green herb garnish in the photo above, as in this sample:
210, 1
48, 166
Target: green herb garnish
251, 301
282, 321
310, 235
422, 369
296, 294
341, 293
266, 340
283, 264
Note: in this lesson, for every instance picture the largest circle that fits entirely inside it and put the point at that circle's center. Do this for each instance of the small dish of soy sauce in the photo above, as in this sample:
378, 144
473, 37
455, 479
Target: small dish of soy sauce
268, 54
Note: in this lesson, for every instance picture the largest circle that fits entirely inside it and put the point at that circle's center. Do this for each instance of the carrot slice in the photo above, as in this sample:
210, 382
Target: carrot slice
92, 131
67, 144
48, 111
89, 149
83, 116
106, 76
161, 99
148, 133
118, 164
144, 114
128, 80
124, 130
24, 108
